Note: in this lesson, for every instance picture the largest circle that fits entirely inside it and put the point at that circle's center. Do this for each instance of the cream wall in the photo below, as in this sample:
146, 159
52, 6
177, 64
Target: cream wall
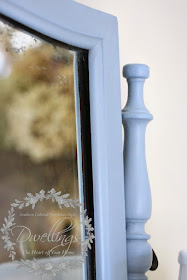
155, 32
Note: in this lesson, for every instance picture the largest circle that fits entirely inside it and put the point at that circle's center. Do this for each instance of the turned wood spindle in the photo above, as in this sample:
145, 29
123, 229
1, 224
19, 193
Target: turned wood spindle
182, 259
137, 189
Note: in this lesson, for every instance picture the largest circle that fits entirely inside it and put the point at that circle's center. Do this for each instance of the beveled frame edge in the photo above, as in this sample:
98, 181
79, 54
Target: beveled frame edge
80, 26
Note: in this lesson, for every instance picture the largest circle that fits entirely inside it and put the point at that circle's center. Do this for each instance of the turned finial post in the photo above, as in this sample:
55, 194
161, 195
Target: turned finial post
137, 189
182, 259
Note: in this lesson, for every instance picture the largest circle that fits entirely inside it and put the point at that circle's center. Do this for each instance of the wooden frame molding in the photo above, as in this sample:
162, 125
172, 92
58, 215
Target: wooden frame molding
83, 27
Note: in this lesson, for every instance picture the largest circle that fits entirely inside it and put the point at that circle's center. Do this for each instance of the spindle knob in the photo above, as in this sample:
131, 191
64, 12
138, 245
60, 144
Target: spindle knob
136, 71
182, 259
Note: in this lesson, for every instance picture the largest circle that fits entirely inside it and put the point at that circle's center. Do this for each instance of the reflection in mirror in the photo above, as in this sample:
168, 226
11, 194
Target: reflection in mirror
40, 172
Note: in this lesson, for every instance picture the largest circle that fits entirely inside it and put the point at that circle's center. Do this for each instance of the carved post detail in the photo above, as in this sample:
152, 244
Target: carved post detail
137, 189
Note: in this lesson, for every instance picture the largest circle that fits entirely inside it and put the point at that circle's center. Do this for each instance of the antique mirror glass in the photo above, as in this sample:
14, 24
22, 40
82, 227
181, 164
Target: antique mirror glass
45, 158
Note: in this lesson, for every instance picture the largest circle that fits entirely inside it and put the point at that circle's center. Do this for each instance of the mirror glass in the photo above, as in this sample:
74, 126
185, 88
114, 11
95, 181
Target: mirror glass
44, 229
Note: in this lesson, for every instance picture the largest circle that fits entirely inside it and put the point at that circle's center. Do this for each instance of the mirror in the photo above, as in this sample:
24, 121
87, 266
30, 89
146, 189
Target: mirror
45, 158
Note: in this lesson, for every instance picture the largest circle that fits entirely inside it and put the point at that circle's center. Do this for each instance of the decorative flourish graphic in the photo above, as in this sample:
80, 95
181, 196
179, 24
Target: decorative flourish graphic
47, 269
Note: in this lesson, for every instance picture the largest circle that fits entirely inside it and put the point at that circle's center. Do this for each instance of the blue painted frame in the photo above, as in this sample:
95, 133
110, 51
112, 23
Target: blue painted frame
80, 26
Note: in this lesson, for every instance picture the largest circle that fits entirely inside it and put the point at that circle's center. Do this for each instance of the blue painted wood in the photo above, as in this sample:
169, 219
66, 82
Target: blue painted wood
182, 259
84, 27
137, 190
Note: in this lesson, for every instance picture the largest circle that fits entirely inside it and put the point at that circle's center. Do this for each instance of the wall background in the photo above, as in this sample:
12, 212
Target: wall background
155, 33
